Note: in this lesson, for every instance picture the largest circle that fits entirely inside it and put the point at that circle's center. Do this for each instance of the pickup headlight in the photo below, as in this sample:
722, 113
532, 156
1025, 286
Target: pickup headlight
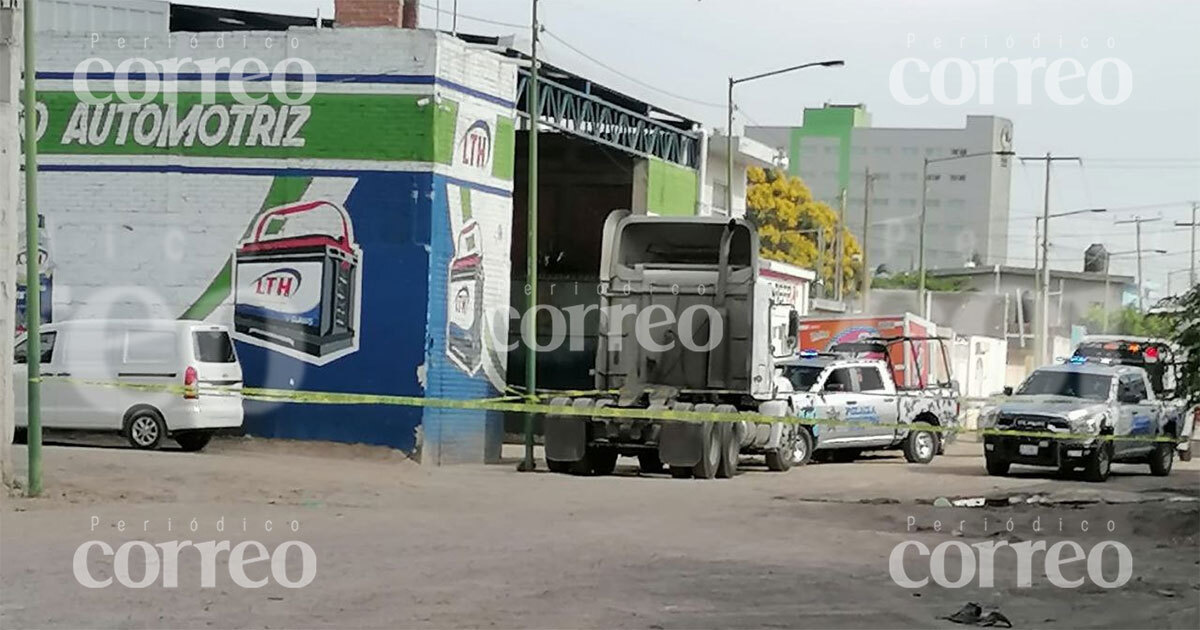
987, 417
1087, 424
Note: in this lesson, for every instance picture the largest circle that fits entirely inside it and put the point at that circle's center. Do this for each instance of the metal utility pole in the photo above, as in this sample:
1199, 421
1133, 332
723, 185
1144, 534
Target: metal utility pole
868, 179
33, 285
921, 292
1041, 340
531, 256
1192, 267
840, 249
729, 119
10, 174
1138, 221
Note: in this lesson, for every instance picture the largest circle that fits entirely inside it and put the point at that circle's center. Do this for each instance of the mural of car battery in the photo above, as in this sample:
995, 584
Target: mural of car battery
464, 328
298, 284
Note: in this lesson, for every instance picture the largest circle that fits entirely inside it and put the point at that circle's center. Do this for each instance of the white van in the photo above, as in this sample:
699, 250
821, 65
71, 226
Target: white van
148, 379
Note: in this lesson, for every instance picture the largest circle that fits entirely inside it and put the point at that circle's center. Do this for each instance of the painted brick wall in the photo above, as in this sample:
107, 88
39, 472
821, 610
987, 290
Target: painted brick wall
409, 138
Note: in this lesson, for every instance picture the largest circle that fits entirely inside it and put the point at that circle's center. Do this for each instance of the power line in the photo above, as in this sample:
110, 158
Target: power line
629, 77
472, 18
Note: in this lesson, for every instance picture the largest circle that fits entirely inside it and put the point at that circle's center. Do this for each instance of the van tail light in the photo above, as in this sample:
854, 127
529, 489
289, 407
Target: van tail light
191, 384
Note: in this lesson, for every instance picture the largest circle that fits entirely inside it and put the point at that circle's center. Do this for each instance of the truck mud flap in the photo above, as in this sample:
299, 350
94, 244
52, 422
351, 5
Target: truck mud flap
566, 438
680, 443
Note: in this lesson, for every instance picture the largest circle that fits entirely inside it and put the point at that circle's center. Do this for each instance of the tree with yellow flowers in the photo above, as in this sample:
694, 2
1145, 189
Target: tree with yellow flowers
791, 225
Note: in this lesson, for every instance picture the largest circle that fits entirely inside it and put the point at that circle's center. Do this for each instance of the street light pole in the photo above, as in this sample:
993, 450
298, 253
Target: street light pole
921, 291
528, 464
33, 285
729, 118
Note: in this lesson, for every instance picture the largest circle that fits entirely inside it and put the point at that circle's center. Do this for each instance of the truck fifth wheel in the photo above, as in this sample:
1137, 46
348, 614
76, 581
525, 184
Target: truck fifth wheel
685, 325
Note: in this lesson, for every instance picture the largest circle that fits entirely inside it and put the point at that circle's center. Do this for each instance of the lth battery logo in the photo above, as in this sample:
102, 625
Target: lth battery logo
298, 283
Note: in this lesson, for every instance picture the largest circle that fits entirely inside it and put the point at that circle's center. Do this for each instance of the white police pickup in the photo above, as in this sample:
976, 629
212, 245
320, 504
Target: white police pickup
1093, 406
863, 408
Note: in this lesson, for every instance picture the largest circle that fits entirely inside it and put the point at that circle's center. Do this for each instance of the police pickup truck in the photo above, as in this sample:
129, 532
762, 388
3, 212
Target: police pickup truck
868, 411
1086, 402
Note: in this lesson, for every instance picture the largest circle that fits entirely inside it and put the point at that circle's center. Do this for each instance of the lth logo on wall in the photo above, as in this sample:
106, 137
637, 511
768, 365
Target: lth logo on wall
299, 283
475, 148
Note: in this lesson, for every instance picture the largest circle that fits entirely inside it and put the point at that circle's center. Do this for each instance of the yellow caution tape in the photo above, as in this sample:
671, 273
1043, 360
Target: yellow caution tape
533, 405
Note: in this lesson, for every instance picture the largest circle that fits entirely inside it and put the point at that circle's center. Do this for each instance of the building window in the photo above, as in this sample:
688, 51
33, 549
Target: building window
833, 148
908, 203
958, 152
908, 177
882, 177
880, 202
958, 178
883, 150
934, 177
931, 151
909, 150
859, 150
956, 203
933, 203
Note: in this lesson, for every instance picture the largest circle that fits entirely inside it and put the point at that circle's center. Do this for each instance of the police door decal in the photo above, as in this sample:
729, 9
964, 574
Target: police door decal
465, 286
299, 283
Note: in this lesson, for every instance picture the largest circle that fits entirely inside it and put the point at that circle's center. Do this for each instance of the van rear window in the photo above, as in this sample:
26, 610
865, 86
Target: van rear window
214, 347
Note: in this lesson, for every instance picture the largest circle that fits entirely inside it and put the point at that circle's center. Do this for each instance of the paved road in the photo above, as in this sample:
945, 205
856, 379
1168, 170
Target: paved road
398, 545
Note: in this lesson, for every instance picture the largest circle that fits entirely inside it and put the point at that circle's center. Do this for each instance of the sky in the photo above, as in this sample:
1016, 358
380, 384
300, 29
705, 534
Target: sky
1141, 157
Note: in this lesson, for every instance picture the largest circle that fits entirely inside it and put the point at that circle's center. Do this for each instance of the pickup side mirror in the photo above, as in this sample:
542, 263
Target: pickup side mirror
1008, 391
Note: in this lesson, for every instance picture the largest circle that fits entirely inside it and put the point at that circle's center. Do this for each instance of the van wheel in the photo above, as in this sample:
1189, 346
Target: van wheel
710, 451
193, 441
145, 429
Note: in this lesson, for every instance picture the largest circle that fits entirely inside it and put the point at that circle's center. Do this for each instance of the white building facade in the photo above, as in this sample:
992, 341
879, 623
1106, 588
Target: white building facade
968, 199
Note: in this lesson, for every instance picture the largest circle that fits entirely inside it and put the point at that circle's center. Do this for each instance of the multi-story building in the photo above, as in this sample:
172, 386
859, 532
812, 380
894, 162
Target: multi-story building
968, 199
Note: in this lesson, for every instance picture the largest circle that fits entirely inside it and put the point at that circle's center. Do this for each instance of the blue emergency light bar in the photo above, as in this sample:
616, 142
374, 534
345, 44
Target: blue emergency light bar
809, 354
1078, 360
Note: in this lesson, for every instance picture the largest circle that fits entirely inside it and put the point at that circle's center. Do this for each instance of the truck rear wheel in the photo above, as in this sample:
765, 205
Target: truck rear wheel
731, 444
710, 451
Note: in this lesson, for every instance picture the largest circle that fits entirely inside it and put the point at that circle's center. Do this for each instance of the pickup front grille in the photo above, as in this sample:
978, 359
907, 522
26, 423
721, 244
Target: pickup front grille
1032, 422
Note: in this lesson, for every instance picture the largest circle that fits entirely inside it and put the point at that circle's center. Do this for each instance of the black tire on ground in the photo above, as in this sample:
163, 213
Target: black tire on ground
710, 452
797, 451
1162, 459
557, 466
145, 428
649, 462
681, 472
193, 441
731, 445
1066, 470
604, 461
1099, 464
920, 446
997, 468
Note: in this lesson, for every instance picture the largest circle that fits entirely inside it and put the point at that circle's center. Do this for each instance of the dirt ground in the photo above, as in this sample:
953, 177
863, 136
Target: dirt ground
398, 545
